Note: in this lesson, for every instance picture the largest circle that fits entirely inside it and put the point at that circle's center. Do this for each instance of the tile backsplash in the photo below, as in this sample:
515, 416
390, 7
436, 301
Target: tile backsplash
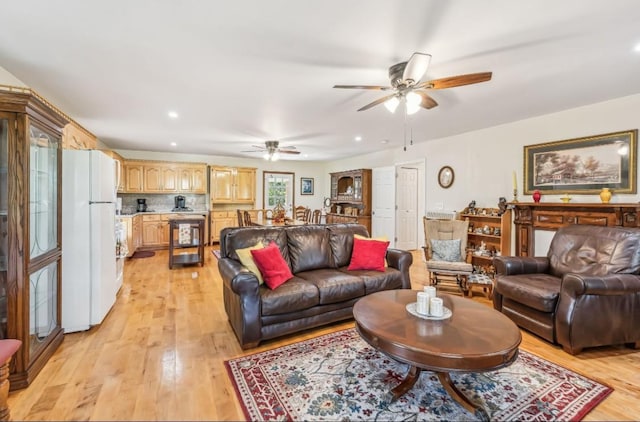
160, 202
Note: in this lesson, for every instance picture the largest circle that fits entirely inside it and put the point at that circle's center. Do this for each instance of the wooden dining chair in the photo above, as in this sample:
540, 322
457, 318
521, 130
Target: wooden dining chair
300, 213
315, 217
240, 218
247, 219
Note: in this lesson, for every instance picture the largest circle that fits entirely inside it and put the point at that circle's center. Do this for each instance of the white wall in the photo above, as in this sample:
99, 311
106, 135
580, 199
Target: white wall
484, 160
313, 169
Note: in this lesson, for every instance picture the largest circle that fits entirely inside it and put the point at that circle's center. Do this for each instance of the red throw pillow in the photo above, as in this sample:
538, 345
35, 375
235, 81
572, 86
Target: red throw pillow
272, 265
368, 255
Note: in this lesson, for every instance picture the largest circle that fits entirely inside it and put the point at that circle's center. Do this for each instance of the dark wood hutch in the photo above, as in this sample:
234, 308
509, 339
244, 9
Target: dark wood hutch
530, 216
351, 197
30, 230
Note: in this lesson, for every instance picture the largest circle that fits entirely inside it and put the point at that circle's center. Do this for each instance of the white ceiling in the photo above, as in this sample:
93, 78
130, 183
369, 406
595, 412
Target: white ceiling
244, 71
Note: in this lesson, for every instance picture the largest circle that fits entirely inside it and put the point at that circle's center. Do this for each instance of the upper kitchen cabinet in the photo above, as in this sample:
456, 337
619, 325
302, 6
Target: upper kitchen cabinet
75, 136
30, 230
232, 185
164, 177
120, 176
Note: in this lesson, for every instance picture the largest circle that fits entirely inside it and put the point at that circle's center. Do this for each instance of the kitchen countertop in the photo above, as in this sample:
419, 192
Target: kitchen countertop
195, 212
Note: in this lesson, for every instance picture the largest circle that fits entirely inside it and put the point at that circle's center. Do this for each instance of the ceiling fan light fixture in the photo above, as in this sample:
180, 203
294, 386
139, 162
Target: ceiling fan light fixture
413, 101
275, 156
392, 104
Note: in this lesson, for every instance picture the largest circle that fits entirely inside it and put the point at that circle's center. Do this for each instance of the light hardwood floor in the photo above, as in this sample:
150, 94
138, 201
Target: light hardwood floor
159, 355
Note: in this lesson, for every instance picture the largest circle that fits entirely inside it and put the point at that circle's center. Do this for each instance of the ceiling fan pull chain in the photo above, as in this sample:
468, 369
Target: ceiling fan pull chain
405, 131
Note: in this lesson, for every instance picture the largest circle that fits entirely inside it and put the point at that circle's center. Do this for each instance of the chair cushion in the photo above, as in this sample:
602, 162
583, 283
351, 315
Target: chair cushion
537, 291
445, 250
435, 266
273, 267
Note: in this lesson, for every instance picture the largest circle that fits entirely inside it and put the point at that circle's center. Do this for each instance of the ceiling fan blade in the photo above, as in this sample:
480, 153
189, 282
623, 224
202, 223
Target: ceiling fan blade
453, 81
376, 102
416, 68
254, 150
288, 147
375, 87
286, 151
426, 102
257, 146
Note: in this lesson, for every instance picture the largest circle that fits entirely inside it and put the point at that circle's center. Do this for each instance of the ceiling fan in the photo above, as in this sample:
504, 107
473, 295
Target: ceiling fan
406, 86
272, 150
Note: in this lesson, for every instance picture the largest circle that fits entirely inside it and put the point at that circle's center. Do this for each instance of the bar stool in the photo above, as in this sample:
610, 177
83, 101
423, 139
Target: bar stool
8, 347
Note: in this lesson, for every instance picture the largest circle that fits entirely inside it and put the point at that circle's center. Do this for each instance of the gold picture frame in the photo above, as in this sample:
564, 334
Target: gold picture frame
583, 165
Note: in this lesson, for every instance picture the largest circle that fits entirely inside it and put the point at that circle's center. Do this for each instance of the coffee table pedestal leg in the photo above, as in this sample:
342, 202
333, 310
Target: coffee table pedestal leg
457, 395
407, 383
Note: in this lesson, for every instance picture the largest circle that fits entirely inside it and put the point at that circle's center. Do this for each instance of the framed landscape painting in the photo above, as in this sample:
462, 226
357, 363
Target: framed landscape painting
582, 165
306, 186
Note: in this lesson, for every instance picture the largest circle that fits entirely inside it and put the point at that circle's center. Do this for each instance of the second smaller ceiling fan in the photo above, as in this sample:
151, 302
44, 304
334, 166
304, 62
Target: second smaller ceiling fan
272, 150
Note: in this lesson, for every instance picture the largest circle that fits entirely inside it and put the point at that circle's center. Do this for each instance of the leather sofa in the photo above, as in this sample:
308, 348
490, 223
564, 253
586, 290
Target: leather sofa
584, 293
322, 290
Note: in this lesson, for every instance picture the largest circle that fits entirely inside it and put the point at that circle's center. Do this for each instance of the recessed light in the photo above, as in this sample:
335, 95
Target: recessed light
173, 115
173, 144
637, 48
306, 155
384, 141
358, 138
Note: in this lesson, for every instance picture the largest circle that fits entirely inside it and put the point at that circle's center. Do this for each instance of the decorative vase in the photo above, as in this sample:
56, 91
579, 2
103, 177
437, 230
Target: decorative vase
605, 195
278, 213
536, 196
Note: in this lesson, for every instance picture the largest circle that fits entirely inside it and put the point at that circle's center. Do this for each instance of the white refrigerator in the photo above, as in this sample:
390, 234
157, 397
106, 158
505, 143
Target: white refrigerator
89, 284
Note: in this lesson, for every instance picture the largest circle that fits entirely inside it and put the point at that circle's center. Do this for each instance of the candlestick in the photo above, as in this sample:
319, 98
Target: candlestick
515, 181
515, 195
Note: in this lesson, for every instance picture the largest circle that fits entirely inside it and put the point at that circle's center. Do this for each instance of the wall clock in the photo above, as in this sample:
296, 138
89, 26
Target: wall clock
445, 177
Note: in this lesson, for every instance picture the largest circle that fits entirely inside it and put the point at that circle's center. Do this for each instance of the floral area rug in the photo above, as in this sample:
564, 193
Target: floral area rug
339, 376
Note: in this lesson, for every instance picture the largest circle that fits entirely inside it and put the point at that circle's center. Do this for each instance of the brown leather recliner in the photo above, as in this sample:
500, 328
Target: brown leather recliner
584, 293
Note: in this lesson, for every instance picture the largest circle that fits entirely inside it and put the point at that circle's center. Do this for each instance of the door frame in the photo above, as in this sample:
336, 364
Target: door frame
421, 165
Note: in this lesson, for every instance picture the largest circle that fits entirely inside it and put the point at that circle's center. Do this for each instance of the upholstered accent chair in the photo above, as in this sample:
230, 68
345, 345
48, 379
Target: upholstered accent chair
584, 293
445, 252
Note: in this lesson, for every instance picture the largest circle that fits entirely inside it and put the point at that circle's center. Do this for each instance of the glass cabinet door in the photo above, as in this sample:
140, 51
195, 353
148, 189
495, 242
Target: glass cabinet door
43, 192
4, 228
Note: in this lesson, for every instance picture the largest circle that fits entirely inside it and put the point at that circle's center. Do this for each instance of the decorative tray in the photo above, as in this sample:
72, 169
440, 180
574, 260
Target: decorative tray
411, 308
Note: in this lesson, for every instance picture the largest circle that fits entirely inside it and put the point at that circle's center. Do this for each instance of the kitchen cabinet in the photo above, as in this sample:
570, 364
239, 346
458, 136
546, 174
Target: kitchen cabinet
133, 175
232, 185
165, 177
75, 136
155, 230
133, 225
220, 220
30, 230
120, 171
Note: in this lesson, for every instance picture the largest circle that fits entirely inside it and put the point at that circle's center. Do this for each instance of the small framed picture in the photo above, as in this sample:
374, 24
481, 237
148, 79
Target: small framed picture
306, 186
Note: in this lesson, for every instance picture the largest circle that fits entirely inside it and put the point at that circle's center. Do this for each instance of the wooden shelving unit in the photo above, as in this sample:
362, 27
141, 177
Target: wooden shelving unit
188, 248
351, 197
488, 228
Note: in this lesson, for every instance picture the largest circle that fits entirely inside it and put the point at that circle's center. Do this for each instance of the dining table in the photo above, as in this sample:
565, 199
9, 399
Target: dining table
269, 222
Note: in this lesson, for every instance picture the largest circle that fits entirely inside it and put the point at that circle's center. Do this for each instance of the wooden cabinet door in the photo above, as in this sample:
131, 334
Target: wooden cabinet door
152, 179
222, 179
150, 233
217, 224
137, 233
169, 179
199, 180
185, 180
133, 178
163, 233
128, 222
245, 185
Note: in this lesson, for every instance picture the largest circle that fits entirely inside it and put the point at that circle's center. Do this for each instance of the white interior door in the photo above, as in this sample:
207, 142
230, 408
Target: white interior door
383, 199
406, 207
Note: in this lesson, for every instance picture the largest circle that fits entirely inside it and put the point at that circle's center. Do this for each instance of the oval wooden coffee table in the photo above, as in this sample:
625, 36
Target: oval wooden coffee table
475, 338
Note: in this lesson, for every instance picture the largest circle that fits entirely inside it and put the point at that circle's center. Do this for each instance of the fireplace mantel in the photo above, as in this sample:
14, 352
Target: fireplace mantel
531, 216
